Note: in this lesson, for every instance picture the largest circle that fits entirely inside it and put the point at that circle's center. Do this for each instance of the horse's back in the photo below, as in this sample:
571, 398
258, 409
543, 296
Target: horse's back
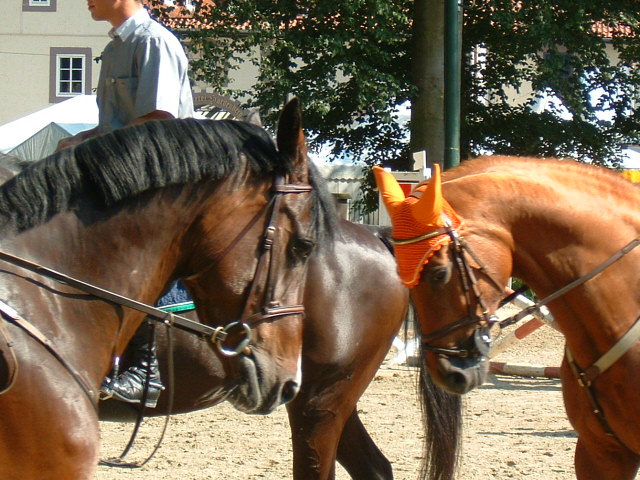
361, 293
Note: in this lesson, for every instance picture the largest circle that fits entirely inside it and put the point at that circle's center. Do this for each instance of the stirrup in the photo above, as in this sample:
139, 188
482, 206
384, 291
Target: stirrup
153, 394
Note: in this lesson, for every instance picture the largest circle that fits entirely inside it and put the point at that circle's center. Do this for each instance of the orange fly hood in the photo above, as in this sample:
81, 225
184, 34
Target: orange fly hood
420, 218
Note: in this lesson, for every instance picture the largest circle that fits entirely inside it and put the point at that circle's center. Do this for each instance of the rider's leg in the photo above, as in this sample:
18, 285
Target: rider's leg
129, 385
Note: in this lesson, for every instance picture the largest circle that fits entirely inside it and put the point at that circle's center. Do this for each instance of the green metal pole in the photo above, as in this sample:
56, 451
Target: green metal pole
452, 75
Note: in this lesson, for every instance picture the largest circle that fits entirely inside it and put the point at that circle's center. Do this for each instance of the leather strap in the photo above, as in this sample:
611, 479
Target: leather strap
587, 376
156, 314
570, 286
11, 315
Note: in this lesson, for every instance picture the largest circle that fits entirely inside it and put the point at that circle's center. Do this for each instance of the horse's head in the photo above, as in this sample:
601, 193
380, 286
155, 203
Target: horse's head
249, 276
454, 293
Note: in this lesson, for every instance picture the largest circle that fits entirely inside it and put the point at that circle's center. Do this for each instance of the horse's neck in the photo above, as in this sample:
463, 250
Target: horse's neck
540, 216
557, 236
124, 253
127, 252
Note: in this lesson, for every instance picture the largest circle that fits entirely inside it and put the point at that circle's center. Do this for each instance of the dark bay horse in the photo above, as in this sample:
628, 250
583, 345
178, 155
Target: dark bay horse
213, 202
570, 232
348, 330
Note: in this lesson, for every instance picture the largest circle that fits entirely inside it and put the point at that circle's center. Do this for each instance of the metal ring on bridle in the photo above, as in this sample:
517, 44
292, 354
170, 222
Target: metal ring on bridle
244, 329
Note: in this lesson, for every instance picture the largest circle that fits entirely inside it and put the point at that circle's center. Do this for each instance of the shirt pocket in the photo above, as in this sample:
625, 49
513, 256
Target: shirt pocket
124, 92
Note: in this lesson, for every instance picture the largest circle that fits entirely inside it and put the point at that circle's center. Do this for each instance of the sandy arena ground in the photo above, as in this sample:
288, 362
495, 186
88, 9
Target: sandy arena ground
515, 428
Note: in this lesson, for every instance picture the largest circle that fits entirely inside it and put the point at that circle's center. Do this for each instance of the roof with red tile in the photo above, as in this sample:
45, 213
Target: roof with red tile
182, 18
609, 31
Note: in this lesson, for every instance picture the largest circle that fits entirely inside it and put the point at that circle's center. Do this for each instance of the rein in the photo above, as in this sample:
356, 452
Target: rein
482, 337
482, 334
216, 335
535, 308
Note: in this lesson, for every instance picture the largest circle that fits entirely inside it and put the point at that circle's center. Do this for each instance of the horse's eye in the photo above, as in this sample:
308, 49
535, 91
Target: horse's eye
439, 275
301, 248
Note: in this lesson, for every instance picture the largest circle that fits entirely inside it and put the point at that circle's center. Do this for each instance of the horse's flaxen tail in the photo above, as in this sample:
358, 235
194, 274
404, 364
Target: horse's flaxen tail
442, 420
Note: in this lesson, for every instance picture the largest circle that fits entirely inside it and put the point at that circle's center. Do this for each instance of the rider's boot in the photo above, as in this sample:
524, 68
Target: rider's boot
129, 385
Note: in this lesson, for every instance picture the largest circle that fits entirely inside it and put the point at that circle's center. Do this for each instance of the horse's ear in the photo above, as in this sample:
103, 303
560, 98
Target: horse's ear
291, 140
392, 194
428, 210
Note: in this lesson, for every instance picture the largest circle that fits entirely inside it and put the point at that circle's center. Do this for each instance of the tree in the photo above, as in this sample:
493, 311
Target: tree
350, 63
347, 60
558, 48
427, 76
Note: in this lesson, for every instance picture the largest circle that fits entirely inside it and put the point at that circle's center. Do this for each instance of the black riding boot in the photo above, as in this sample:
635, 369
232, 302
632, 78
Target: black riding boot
129, 385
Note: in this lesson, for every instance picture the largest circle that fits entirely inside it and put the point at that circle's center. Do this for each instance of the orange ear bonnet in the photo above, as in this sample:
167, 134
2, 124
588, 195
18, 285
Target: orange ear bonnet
421, 214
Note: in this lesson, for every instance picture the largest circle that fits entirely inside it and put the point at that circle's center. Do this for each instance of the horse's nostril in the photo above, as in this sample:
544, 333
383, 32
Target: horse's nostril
289, 391
458, 382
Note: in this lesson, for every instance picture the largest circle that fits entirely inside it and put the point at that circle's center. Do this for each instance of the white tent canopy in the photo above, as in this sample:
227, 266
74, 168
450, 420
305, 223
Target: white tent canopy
69, 117
44, 142
632, 158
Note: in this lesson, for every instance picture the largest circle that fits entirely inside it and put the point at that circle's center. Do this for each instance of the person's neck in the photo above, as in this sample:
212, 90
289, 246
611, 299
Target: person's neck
128, 10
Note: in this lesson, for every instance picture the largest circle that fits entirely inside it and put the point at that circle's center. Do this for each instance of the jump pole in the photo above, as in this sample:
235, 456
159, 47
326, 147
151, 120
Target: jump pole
540, 318
543, 317
524, 370
515, 336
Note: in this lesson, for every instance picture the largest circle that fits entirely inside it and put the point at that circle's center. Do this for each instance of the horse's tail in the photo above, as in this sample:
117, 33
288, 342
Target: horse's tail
442, 420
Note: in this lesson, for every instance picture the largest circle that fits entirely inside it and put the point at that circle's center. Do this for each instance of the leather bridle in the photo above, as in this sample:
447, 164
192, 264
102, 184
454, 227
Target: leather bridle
216, 335
271, 308
485, 321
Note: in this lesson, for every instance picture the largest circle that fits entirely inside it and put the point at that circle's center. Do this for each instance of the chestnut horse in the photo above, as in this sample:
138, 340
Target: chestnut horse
569, 231
213, 202
349, 328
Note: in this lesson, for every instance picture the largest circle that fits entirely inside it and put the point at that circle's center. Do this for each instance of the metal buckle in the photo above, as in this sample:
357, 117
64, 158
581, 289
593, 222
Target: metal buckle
241, 329
484, 336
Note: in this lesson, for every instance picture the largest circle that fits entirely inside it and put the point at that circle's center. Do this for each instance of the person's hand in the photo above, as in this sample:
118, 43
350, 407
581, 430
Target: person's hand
76, 139
68, 142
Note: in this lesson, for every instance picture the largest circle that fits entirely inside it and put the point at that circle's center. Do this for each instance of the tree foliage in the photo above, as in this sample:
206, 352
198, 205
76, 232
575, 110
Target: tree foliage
555, 47
349, 62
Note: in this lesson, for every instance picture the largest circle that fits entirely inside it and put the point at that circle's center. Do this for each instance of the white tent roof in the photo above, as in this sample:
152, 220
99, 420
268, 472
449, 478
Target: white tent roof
77, 110
45, 141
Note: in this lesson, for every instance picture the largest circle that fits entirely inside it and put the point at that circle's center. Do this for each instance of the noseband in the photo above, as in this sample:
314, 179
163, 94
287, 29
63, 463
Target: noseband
238, 333
484, 322
482, 336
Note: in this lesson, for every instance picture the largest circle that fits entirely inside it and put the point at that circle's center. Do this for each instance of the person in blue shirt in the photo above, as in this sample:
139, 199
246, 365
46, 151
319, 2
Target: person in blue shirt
143, 73
143, 77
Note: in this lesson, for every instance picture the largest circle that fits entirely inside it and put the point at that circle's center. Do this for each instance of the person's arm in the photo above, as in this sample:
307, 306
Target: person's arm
155, 115
76, 139
82, 136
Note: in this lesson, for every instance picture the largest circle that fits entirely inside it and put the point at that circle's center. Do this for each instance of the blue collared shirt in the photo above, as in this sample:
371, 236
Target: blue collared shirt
144, 68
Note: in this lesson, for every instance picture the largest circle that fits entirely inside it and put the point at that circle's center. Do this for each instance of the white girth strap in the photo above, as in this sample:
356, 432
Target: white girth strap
610, 357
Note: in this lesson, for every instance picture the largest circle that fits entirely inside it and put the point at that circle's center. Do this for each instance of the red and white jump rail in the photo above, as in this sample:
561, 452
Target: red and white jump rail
540, 318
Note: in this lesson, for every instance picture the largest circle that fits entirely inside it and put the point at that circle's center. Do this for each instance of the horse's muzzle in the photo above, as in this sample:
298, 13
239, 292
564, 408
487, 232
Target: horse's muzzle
260, 389
459, 375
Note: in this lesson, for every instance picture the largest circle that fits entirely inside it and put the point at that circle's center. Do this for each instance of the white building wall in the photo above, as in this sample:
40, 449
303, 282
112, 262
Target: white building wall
25, 42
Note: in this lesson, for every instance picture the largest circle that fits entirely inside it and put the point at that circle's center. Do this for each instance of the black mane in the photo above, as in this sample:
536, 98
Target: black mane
129, 161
